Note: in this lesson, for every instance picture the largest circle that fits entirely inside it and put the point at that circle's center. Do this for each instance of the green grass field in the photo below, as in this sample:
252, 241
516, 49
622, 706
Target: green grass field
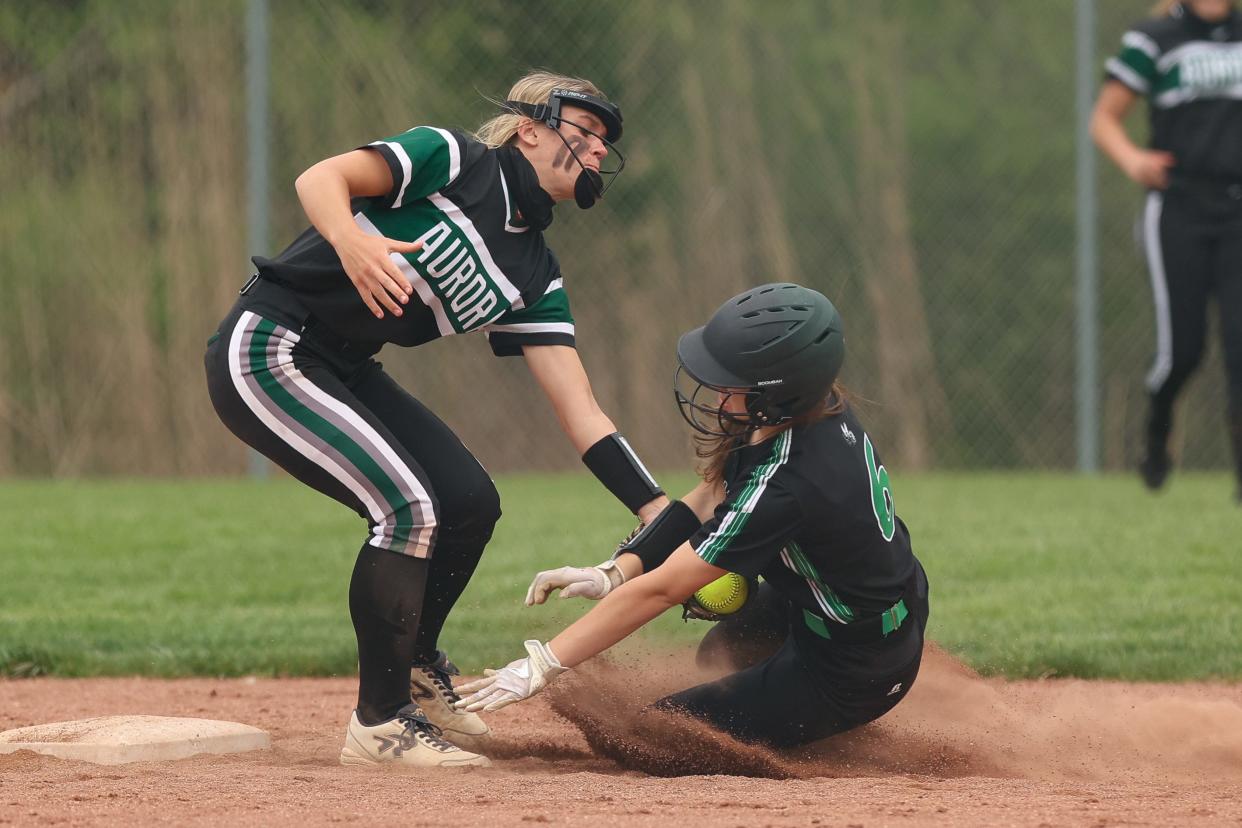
1031, 575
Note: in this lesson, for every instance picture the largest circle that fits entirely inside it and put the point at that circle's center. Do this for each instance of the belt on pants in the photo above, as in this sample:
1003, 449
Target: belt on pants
301, 319
868, 630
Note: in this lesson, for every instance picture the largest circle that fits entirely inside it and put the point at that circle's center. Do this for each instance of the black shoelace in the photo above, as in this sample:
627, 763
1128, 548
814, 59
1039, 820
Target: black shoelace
416, 724
442, 671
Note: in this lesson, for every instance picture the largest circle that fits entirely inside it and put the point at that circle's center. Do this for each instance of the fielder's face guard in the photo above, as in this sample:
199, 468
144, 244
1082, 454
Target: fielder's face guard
591, 185
703, 407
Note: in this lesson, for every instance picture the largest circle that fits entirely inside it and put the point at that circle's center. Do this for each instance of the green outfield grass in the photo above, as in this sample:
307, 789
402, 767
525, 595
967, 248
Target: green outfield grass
1031, 575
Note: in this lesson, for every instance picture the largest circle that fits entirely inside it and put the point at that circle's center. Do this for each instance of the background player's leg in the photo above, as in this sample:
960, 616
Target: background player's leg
1229, 299
468, 504
1179, 261
285, 402
750, 635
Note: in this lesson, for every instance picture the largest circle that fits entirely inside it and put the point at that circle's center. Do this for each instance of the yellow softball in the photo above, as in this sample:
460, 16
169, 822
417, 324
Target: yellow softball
724, 595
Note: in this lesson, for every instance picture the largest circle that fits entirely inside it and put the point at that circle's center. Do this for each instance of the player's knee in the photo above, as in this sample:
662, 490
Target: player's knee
716, 651
470, 508
735, 645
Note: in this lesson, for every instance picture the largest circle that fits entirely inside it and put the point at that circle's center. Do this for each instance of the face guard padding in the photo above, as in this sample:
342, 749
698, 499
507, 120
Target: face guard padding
590, 185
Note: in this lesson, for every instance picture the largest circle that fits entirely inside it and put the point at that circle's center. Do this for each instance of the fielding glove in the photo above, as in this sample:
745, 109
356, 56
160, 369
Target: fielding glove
592, 582
692, 609
621, 547
514, 682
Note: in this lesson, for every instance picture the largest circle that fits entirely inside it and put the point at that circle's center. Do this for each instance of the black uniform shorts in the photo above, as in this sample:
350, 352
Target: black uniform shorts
810, 688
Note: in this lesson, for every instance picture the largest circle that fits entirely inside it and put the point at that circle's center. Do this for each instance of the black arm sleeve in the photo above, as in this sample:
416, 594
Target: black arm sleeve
617, 466
660, 538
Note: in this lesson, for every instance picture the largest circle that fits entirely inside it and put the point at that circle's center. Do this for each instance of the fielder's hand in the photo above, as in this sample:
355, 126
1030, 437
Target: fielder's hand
592, 582
370, 262
518, 680
1150, 168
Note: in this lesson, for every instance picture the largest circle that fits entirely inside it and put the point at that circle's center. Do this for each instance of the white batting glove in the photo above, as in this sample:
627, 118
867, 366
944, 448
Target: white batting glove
515, 682
592, 582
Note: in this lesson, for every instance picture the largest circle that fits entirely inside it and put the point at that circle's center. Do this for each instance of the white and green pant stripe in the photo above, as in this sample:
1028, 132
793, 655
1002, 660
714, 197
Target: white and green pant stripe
331, 435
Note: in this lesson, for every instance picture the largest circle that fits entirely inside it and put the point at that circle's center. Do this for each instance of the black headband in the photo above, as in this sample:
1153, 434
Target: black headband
550, 113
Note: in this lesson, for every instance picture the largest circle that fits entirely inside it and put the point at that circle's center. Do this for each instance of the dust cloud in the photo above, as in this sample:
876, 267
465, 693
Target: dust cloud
954, 723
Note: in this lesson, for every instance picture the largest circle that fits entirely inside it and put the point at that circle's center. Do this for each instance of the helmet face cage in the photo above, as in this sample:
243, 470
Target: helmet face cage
603, 180
701, 406
549, 114
780, 345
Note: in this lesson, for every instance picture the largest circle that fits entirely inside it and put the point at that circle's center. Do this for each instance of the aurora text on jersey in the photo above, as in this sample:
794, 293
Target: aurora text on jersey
479, 268
1191, 72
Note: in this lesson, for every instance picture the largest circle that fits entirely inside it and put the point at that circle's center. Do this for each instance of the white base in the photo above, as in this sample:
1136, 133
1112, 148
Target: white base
115, 740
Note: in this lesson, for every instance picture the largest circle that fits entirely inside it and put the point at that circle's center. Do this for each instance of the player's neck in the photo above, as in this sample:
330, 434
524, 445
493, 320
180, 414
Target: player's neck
764, 433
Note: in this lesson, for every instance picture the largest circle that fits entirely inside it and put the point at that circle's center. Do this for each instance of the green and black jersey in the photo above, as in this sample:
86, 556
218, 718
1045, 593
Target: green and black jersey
811, 510
480, 267
1190, 70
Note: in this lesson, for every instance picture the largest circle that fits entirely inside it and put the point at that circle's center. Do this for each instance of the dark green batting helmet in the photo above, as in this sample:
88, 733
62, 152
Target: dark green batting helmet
781, 344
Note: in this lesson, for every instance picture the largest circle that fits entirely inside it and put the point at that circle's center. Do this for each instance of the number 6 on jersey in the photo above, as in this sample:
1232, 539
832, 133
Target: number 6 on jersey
881, 493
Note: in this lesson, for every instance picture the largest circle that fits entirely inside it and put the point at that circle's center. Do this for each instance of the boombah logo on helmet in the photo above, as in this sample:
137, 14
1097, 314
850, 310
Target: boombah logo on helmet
780, 345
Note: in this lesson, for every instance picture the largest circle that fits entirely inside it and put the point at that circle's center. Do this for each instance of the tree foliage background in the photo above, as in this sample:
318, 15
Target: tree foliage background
913, 159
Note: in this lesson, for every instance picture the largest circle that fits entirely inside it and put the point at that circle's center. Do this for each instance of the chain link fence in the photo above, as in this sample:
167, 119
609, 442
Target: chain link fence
913, 160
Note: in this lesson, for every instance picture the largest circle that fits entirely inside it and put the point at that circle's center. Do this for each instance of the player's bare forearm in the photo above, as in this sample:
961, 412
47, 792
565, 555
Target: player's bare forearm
559, 372
325, 190
632, 605
704, 498
325, 199
648, 513
1108, 130
1110, 136
630, 564
608, 622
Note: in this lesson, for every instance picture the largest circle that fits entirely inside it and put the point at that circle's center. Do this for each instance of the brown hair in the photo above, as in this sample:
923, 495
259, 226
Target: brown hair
535, 87
1163, 7
713, 451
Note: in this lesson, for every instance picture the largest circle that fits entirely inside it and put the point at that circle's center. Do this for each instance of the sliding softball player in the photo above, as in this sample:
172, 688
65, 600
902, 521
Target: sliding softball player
793, 491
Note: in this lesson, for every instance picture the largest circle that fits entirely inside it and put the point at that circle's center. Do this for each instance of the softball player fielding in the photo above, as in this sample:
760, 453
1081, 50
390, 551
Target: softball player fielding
422, 235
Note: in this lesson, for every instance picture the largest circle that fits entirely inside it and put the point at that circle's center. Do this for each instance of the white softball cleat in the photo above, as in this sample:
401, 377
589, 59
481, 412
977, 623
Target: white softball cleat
431, 688
409, 740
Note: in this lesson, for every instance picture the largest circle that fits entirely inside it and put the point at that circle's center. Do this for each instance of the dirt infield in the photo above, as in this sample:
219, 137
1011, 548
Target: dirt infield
960, 750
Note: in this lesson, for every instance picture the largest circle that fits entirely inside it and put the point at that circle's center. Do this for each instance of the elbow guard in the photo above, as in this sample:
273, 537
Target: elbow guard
660, 538
617, 466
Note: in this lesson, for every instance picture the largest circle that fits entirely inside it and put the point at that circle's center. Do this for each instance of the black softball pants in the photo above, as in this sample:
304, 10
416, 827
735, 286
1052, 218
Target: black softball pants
1193, 240
793, 687
338, 423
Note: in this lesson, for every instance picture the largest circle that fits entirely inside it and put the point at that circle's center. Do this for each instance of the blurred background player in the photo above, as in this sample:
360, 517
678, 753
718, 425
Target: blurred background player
793, 490
426, 234
1187, 62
